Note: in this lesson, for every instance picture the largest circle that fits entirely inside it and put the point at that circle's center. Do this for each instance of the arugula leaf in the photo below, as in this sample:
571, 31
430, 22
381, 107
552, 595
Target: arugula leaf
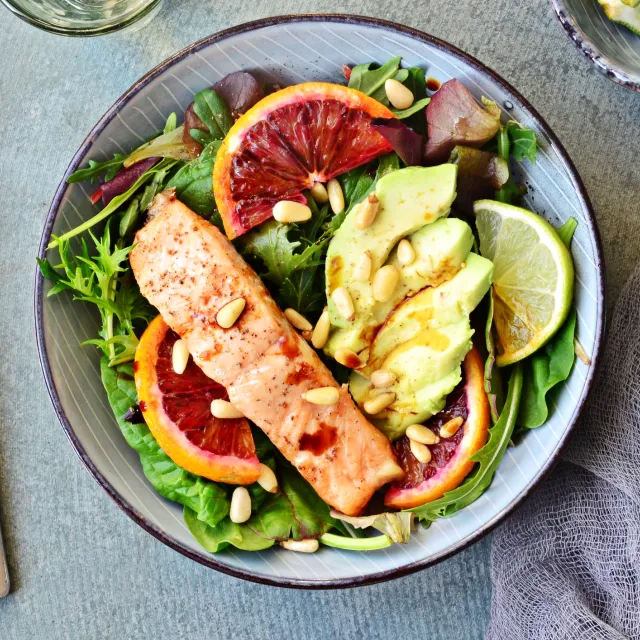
208, 500
368, 80
488, 458
214, 113
116, 203
523, 142
550, 365
166, 145
96, 169
194, 182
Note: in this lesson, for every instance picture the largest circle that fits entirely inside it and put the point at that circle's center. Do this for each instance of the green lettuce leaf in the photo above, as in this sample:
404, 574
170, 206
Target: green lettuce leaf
488, 458
523, 142
208, 500
214, 113
396, 526
368, 79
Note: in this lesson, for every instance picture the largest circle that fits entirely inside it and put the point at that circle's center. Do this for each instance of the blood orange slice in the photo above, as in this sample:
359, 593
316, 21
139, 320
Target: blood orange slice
286, 143
177, 409
451, 457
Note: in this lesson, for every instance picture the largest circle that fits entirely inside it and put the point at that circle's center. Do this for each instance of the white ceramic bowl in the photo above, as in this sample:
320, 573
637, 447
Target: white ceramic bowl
290, 50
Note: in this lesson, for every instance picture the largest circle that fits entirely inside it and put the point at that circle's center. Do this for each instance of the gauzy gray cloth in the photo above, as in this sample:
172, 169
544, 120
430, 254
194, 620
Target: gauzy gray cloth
567, 564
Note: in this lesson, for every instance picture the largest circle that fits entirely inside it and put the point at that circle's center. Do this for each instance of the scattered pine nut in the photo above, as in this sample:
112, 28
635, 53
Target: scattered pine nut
420, 451
309, 545
342, 299
406, 252
320, 333
379, 403
319, 193
347, 358
580, 352
322, 395
240, 510
366, 212
423, 435
231, 311
336, 197
224, 410
451, 427
179, 356
384, 282
288, 211
399, 96
267, 479
362, 270
383, 378
298, 320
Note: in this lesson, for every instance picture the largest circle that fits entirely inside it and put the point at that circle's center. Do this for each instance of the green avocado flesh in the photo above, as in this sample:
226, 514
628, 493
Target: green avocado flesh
423, 332
625, 13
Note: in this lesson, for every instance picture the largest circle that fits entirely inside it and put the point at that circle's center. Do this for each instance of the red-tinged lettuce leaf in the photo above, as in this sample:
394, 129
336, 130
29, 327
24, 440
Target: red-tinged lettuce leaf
240, 90
405, 141
454, 117
124, 179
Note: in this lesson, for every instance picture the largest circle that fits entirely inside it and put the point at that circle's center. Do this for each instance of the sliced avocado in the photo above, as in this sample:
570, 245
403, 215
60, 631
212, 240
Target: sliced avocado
408, 199
626, 13
432, 308
441, 247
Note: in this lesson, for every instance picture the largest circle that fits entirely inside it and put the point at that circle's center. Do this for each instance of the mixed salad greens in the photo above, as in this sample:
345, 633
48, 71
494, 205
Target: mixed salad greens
92, 265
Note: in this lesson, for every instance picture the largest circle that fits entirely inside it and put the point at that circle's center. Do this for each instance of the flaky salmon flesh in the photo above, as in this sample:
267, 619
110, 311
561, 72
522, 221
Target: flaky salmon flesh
189, 270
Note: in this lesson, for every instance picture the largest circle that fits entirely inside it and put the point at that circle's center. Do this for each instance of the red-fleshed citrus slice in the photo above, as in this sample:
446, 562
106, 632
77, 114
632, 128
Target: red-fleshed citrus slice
286, 143
177, 410
450, 458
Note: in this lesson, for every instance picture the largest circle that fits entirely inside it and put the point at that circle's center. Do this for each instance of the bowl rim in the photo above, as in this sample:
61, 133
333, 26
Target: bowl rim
144, 522
603, 63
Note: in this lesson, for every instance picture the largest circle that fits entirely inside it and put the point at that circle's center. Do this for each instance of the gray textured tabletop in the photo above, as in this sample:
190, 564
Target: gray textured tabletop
80, 568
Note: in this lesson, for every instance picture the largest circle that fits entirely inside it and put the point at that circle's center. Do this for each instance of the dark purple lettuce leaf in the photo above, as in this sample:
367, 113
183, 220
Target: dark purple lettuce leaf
240, 91
124, 179
454, 117
405, 141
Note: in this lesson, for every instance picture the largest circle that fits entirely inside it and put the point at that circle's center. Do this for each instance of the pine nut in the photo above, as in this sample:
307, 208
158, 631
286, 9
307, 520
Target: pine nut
382, 378
336, 197
366, 212
288, 211
179, 356
309, 545
399, 96
420, 433
231, 311
344, 303
240, 510
347, 358
320, 333
420, 451
322, 395
224, 410
298, 320
319, 193
377, 404
362, 270
267, 479
406, 252
384, 282
451, 427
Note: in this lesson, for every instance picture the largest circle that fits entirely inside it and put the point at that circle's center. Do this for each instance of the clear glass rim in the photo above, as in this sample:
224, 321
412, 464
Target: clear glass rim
78, 31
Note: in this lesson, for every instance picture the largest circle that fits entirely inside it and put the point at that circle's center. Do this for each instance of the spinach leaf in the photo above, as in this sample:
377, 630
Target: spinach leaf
419, 105
296, 511
96, 169
206, 499
225, 533
214, 113
366, 78
488, 458
194, 182
551, 364
523, 142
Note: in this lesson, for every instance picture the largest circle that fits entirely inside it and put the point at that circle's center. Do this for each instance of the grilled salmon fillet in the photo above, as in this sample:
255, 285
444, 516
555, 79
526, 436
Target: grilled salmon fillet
189, 270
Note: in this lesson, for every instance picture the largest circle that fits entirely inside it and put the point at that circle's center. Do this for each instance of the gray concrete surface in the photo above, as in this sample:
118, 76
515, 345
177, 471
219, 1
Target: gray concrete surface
80, 568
